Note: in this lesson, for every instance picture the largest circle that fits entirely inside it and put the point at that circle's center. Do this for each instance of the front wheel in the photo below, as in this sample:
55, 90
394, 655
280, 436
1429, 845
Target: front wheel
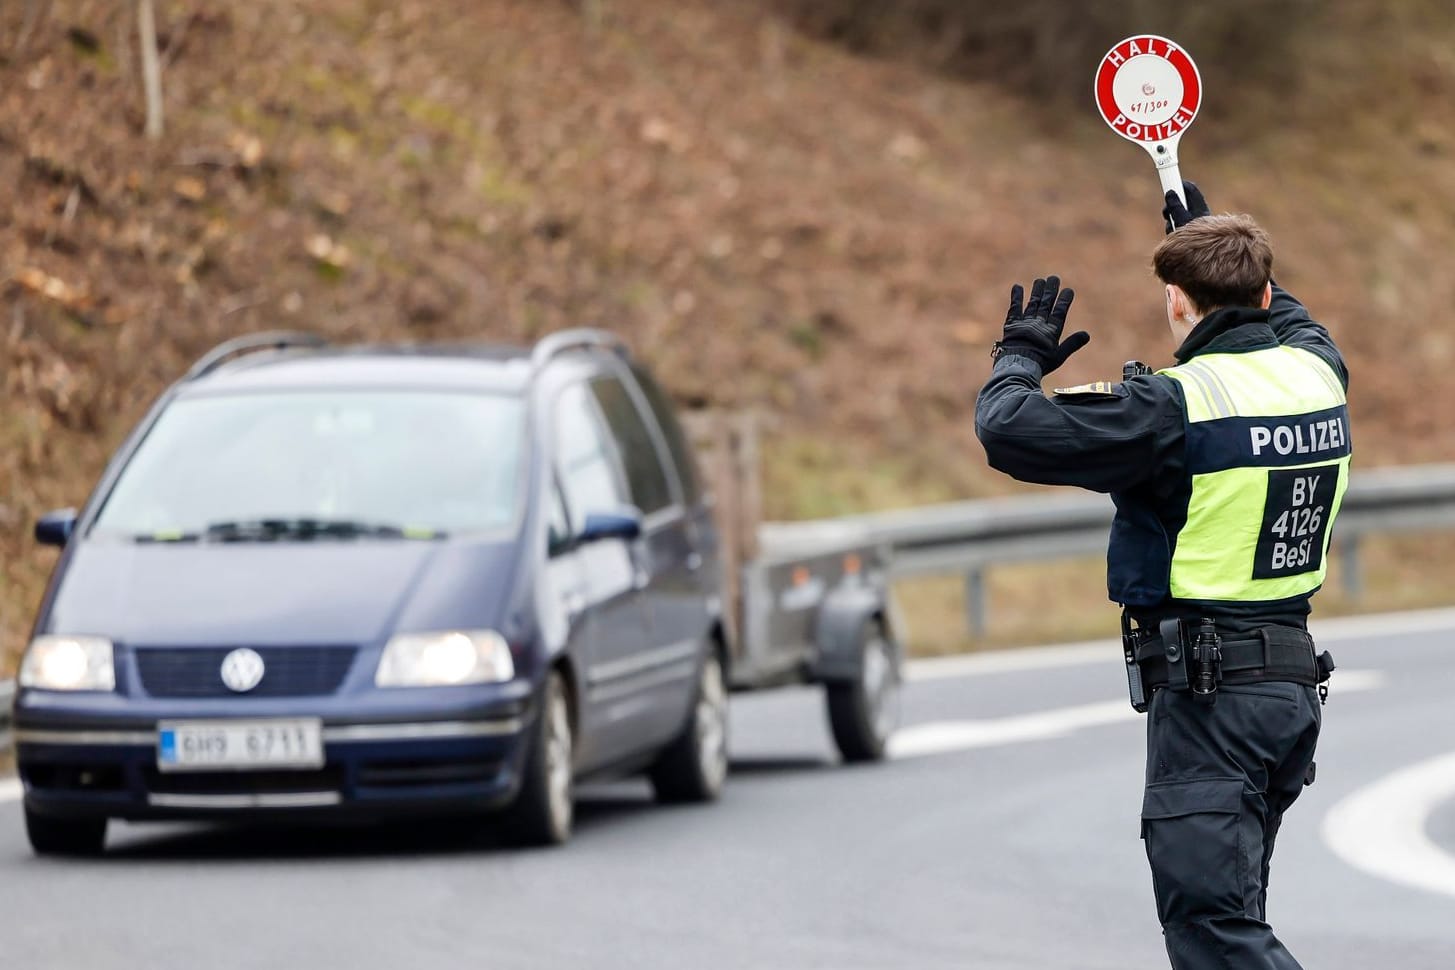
864, 712
694, 766
542, 812
65, 836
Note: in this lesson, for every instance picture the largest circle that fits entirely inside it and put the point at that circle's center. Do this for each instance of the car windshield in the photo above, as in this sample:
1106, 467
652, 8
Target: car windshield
314, 465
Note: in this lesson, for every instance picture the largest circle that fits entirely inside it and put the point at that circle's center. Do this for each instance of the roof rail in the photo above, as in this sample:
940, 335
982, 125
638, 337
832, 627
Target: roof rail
247, 343
553, 345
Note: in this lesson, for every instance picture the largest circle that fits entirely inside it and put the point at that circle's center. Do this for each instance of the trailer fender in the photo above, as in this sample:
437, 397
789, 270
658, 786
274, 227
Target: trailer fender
840, 630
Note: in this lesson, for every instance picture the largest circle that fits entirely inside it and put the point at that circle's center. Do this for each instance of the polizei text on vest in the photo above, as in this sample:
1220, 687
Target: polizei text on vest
1304, 438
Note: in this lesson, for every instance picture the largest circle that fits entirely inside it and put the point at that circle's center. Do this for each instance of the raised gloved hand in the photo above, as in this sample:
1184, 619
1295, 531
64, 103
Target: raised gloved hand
1176, 215
1035, 331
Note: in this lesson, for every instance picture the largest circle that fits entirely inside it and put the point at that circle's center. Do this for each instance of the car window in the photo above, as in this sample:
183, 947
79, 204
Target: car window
644, 473
584, 459
677, 444
558, 527
414, 460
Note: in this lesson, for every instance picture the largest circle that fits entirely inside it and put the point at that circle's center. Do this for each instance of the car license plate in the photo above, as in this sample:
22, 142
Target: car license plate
210, 745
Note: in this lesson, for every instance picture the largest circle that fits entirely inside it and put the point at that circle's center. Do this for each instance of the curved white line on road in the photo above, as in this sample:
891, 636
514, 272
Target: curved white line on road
1381, 829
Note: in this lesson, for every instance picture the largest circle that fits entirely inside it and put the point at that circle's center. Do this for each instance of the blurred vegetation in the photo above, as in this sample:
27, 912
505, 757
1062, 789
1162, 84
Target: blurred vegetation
812, 207
1043, 48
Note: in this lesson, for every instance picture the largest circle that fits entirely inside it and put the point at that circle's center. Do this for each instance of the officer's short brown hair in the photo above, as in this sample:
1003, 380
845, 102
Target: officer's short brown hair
1218, 261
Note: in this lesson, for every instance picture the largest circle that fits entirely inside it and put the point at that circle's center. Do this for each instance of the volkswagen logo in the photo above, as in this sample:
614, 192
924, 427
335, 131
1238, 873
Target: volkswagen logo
242, 670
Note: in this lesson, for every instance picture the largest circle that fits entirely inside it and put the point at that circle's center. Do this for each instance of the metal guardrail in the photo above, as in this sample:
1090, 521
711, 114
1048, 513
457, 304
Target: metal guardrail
970, 537
7, 694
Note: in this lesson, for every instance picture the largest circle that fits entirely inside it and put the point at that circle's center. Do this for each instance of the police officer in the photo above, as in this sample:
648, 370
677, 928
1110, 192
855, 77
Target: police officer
1227, 471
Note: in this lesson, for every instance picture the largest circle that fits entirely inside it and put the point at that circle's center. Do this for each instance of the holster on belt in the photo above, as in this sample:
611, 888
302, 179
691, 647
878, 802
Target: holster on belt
1169, 656
1130, 642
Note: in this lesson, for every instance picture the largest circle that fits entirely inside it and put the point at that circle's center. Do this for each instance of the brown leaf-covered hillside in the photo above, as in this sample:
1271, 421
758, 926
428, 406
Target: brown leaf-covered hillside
774, 217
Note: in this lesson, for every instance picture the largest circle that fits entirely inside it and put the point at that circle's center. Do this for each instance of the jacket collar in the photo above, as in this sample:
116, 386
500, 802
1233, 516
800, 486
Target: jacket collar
1231, 330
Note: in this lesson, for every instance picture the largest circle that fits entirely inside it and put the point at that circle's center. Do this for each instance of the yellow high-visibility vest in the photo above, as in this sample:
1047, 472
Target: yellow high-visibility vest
1268, 452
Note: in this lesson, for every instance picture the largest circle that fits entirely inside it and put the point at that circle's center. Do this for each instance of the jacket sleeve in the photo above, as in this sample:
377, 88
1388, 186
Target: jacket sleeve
1295, 328
1107, 442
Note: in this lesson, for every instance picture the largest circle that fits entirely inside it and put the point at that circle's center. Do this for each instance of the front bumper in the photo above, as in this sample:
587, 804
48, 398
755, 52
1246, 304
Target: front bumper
463, 757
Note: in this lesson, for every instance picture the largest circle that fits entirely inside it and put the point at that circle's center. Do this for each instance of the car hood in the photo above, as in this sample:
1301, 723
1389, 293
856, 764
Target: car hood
355, 591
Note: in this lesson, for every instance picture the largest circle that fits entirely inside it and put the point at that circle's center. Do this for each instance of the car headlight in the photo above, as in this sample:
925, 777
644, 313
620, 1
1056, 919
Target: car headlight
445, 659
68, 663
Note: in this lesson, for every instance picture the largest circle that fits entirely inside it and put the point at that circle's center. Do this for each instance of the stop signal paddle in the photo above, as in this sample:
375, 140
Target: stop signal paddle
1148, 90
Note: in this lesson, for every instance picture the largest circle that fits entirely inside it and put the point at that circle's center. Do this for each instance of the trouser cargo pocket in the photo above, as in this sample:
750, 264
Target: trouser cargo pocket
1203, 847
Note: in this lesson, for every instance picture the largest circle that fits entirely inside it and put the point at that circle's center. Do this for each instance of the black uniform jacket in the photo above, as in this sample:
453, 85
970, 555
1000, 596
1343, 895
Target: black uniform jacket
1129, 440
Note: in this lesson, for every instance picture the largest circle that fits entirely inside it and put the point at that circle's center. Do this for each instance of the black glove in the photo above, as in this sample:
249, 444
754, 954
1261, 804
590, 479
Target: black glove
1176, 215
1035, 332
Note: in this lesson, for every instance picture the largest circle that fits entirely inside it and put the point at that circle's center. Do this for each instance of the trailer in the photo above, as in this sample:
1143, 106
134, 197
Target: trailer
803, 602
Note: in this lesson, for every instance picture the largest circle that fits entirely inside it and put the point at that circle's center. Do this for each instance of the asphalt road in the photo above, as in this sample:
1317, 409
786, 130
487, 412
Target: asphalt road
1003, 835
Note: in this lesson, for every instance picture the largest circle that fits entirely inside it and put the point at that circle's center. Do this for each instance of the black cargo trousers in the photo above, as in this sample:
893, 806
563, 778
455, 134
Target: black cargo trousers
1220, 775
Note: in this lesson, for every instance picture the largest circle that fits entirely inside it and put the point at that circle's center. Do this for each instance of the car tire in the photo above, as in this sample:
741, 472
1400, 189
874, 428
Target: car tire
864, 712
543, 810
51, 835
694, 766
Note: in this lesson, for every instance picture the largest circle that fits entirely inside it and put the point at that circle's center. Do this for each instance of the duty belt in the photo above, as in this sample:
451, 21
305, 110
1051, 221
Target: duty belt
1173, 655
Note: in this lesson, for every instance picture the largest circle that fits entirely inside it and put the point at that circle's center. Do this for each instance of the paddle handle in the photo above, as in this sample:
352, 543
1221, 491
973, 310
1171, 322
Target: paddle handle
1165, 155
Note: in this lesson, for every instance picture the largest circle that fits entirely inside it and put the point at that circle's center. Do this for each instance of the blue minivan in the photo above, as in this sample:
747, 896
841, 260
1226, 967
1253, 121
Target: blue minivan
367, 580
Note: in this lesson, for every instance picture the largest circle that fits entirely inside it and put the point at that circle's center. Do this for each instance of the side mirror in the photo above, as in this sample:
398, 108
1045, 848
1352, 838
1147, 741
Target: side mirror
55, 528
624, 523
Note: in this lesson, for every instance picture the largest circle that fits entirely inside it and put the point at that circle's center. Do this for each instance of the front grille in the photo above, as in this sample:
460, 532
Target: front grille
287, 671
329, 778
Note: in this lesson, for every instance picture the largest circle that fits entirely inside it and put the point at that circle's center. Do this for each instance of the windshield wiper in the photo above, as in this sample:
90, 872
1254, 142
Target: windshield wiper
164, 536
271, 530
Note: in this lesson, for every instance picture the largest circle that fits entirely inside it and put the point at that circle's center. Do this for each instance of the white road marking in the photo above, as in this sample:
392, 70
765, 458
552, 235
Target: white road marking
1353, 681
1380, 829
939, 737
942, 737
1379, 625
1014, 659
